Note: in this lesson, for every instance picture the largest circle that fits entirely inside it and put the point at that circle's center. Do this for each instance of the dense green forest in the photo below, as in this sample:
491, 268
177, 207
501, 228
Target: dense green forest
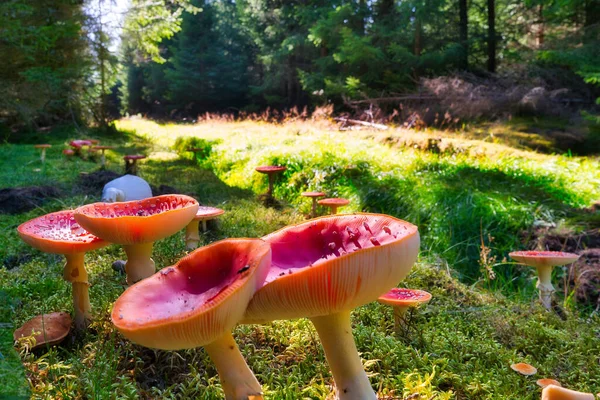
62, 60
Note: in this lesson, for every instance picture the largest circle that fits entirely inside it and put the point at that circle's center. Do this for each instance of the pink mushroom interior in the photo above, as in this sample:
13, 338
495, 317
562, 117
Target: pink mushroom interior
541, 254
140, 208
405, 294
60, 226
305, 245
189, 285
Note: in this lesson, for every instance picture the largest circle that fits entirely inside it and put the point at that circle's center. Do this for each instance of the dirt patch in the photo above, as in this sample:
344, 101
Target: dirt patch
92, 183
13, 261
163, 189
18, 200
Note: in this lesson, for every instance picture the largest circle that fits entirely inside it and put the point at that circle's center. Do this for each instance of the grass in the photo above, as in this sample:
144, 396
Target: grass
459, 346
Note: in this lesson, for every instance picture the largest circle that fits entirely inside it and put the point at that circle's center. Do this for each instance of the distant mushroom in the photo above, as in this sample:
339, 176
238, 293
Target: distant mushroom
47, 329
334, 203
314, 196
401, 300
77, 145
59, 233
197, 302
136, 225
553, 392
323, 268
131, 163
546, 382
68, 153
524, 369
103, 156
270, 170
43, 153
205, 213
544, 262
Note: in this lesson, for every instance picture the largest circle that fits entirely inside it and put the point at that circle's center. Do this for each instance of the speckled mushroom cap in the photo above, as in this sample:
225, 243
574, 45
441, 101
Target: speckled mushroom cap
138, 221
195, 301
544, 258
47, 329
332, 264
205, 213
58, 233
270, 169
334, 201
404, 297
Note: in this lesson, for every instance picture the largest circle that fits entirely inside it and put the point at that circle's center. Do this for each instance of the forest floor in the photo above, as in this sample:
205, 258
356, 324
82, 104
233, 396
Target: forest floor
475, 195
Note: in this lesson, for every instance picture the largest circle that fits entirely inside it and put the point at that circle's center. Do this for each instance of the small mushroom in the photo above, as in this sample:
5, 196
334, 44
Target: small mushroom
401, 300
59, 233
131, 163
270, 170
524, 369
43, 147
546, 382
544, 262
47, 329
554, 392
68, 153
136, 225
334, 203
322, 269
103, 156
197, 302
78, 145
314, 196
204, 214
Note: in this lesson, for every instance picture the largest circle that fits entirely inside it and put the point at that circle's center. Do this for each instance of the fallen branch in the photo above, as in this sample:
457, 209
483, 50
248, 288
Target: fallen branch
346, 121
393, 99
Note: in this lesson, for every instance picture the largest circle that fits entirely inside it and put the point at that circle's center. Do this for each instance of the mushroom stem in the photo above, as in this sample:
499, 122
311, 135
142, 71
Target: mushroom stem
270, 191
399, 323
139, 262
545, 287
192, 238
237, 379
74, 272
314, 207
103, 159
333, 210
43, 155
335, 332
204, 227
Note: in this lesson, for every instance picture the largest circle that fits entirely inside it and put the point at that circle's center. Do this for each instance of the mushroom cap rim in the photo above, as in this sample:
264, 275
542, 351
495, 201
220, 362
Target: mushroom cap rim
270, 169
334, 201
423, 297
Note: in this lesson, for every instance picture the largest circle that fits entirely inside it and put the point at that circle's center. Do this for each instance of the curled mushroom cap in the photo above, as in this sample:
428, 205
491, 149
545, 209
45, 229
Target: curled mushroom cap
524, 369
47, 329
138, 221
333, 263
553, 392
195, 301
546, 382
544, 258
58, 233
404, 297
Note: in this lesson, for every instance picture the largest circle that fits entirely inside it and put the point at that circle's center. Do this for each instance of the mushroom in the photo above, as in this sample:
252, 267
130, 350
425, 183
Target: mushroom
314, 196
47, 329
68, 153
78, 144
333, 203
197, 302
554, 392
43, 153
131, 163
325, 267
524, 369
546, 382
59, 233
136, 225
544, 262
270, 170
400, 300
204, 214
103, 156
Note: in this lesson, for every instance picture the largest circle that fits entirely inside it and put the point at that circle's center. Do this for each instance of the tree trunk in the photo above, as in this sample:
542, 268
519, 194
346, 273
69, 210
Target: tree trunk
491, 63
539, 37
464, 33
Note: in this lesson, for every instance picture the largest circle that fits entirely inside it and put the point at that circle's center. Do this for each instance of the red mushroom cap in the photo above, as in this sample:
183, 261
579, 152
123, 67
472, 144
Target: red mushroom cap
138, 221
68, 152
79, 143
334, 201
404, 297
195, 301
205, 213
313, 194
42, 146
93, 141
48, 329
544, 258
134, 157
58, 233
333, 264
270, 169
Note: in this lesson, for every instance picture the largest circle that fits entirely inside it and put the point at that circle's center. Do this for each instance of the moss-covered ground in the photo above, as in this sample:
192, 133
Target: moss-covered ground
473, 201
